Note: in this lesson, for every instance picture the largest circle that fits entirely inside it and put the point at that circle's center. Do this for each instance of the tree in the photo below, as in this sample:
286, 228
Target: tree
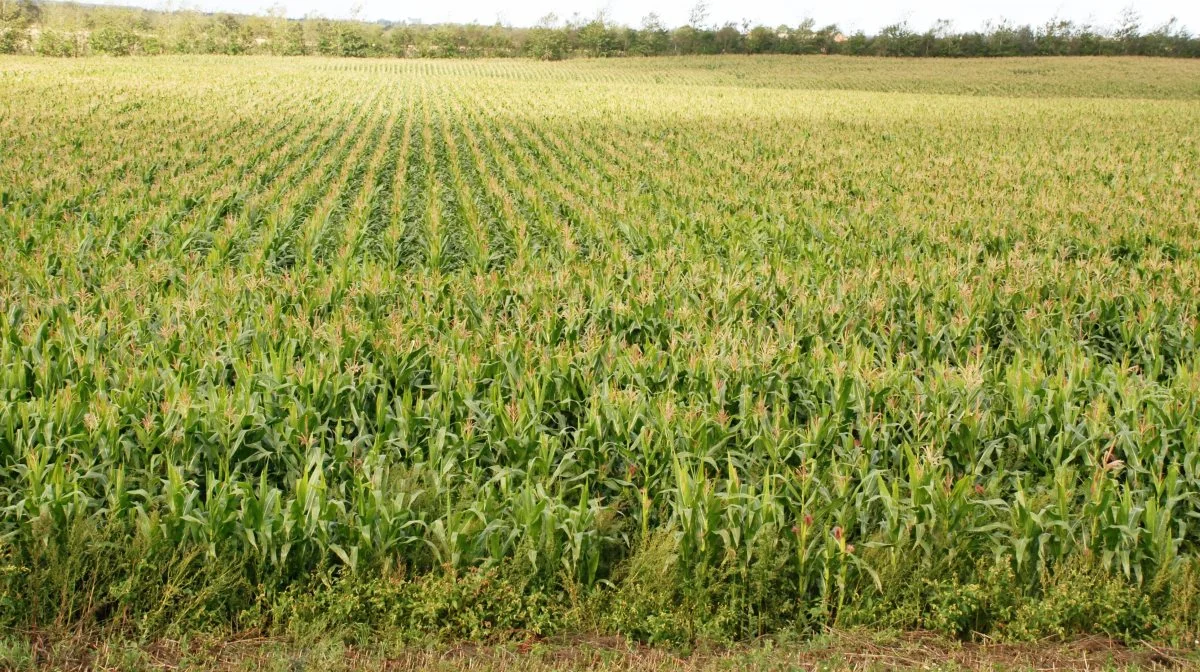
326, 38
896, 40
21, 13
830, 39
114, 39
803, 38
1056, 37
698, 15
15, 20
399, 39
597, 38
685, 40
761, 40
291, 42
727, 40
56, 43
1169, 39
654, 38
351, 42
546, 41
225, 34
121, 31
1128, 29
444, 42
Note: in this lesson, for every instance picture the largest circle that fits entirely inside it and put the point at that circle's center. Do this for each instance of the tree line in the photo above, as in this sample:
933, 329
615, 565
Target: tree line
68, 29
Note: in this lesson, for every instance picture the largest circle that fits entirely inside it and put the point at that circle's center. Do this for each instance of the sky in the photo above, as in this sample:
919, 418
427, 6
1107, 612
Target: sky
867, 15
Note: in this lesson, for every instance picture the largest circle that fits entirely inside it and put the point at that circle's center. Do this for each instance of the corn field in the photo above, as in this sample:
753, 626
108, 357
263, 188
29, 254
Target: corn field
834, 322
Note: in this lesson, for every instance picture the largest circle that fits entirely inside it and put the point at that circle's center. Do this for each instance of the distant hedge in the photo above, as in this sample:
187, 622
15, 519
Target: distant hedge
68, 29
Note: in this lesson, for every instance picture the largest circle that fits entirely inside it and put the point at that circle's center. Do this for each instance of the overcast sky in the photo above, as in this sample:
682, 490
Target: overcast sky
868, 15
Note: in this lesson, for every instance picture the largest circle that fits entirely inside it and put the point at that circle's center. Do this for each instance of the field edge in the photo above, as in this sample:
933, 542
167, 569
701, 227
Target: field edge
836, 650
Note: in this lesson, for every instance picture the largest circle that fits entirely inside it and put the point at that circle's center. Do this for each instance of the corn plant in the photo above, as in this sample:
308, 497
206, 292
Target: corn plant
424, 318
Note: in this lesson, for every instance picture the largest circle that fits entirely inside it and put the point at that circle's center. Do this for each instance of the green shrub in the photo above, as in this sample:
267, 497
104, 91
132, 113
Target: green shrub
58, 44
1081, 598
964, 609
476, 605
113, 40
82, 576
11, 39
152, 46
649, 601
